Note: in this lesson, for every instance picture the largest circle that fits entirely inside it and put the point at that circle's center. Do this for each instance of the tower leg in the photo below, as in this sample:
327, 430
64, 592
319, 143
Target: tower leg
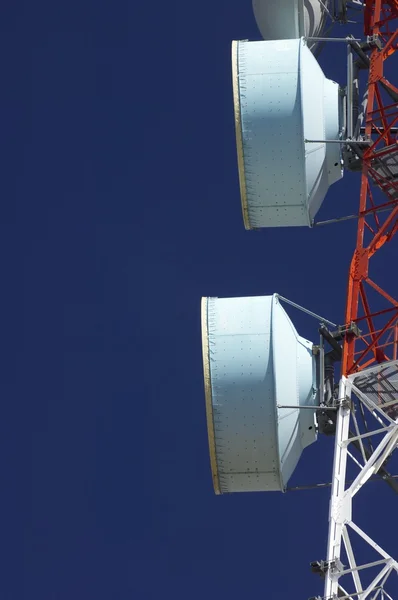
344, 576
338, 510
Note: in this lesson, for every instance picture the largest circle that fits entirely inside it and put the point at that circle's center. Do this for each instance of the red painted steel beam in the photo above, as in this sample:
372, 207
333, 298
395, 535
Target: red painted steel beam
380, 19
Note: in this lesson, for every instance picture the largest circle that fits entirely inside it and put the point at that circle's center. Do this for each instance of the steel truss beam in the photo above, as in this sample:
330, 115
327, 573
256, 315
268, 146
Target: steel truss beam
378, 339
349, 580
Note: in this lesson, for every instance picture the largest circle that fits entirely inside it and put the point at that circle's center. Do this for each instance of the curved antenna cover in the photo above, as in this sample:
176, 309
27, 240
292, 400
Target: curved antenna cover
288, 19
253, 360
281, 99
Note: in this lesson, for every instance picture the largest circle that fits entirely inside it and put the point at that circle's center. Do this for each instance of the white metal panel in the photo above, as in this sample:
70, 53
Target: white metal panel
293, 375
248, 434
321, 121
313, 118
333, 123
281, 99
268, 115
241, 391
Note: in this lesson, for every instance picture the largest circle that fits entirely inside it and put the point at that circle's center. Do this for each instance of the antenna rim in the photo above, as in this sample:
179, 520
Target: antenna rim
208, 397
239, 136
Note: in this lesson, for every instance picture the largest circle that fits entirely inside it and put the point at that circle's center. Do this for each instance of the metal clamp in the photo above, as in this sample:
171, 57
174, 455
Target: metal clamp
321, 567
374, 41
344, 402
350, 329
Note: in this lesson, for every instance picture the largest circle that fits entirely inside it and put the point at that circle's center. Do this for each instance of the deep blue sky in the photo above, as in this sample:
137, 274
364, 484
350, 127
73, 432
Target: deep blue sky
120, 209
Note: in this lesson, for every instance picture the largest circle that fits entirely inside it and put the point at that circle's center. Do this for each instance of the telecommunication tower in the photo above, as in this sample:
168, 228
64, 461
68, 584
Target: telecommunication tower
269, 391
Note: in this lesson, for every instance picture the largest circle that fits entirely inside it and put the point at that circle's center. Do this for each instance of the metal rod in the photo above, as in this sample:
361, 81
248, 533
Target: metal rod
350, 596
306, 407
351, 561
337, 220
350, 68
354, 459
365, 424
395, 353
368, 434
380, 129
348, 217
305, 310
314, 486
344, 127
353, 417
321, 368
390, 403
346, 40
366, 566
347, 141
325, 8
